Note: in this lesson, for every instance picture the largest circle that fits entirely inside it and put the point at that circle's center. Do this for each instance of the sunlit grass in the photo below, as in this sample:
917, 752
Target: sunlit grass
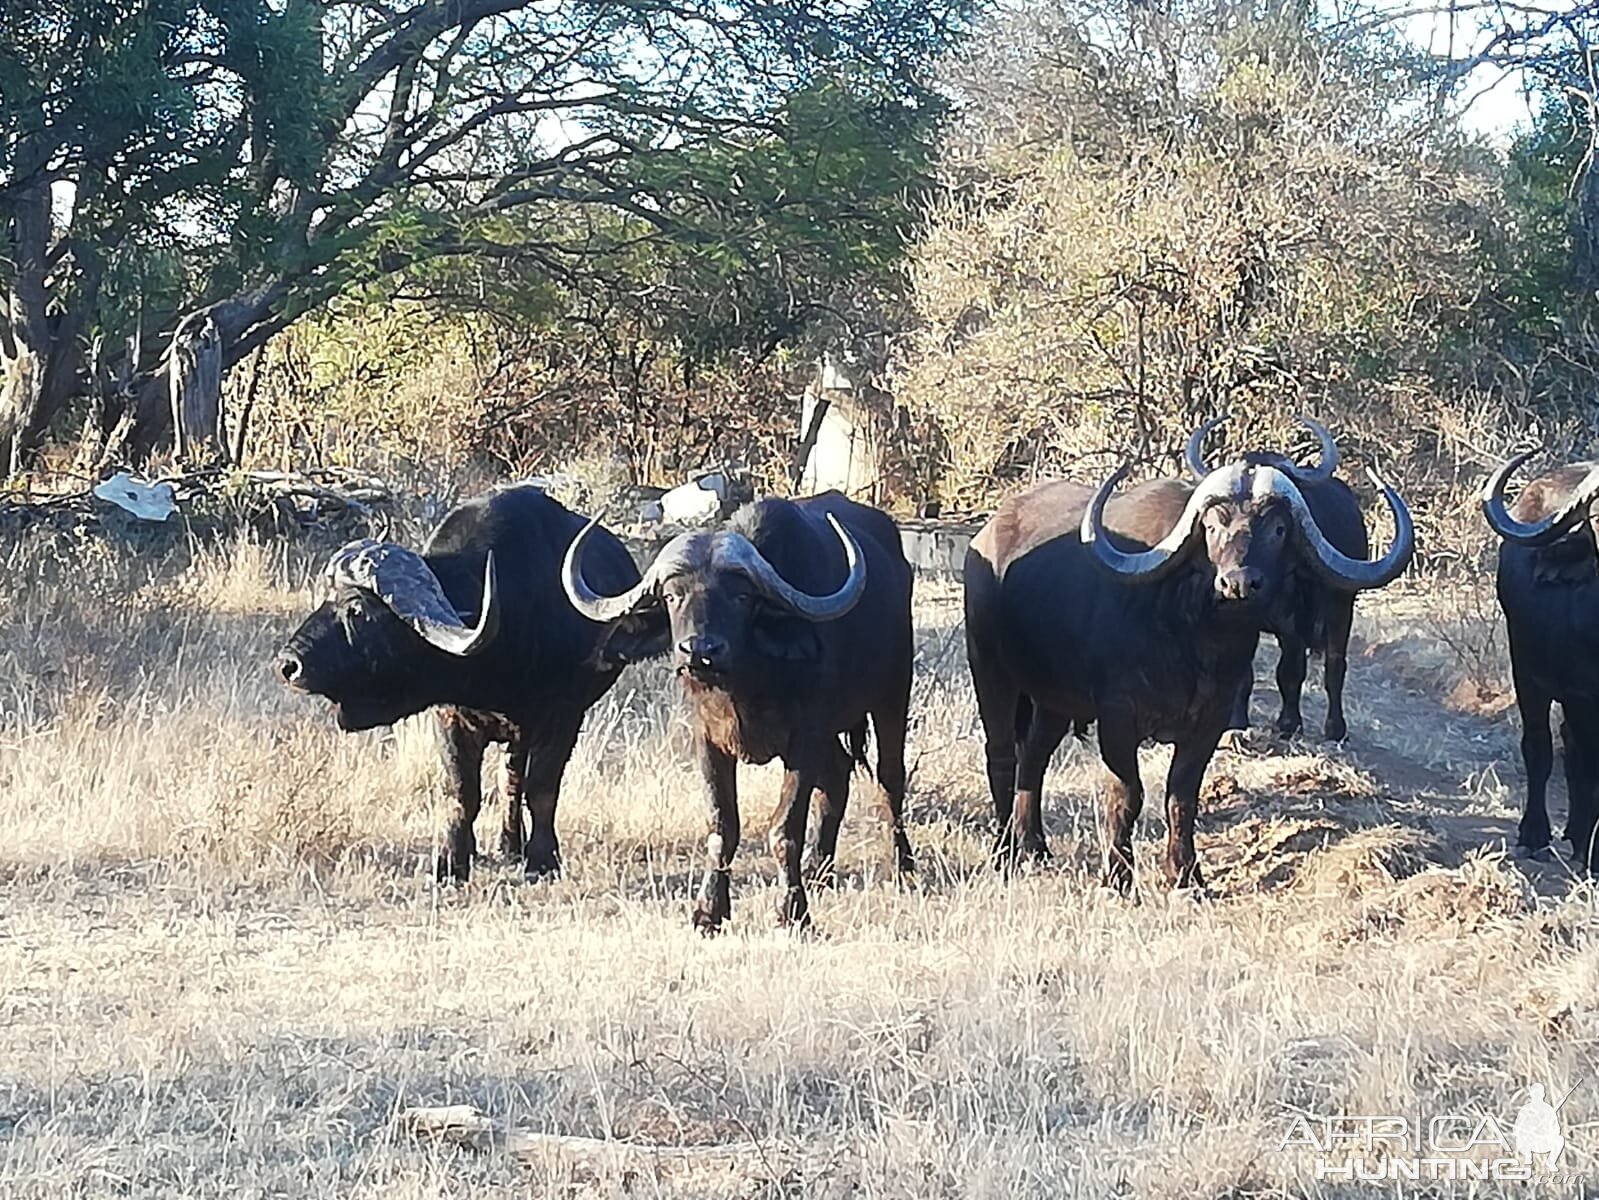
224, 967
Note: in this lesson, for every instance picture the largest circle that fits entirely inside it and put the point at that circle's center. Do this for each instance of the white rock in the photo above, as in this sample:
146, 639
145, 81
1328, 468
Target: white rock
695, 503
147, 501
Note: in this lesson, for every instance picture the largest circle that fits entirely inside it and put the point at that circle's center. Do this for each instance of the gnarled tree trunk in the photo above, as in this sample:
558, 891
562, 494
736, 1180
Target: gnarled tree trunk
194, 383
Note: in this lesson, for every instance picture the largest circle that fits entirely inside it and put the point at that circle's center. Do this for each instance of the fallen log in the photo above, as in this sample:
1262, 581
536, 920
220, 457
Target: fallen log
464, 1125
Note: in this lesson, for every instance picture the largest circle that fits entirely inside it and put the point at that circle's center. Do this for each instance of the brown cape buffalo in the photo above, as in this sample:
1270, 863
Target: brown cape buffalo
476, 627
789, 629
1548, 585
1309, 614
1141, 612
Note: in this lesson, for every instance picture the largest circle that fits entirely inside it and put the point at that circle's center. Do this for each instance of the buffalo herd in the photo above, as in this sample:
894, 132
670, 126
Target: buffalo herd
1137, 612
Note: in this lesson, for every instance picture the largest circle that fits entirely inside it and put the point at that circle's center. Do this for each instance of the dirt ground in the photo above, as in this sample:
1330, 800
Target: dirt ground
225, 970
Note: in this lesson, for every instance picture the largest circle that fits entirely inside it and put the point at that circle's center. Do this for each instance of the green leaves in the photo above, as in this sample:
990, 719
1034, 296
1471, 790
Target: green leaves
739, 164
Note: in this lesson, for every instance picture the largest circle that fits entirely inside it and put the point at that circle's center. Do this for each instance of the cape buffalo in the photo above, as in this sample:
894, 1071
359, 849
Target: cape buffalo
789, 628
1548, 585
477, 628
1149, 630
1309, 614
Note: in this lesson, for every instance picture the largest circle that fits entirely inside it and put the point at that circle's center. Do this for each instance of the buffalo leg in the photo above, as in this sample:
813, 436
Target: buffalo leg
1538, 756
463, 769
1580, 734
889, 723
1291, 654
1189, 760
1238, 719
715, 903
1118, 746
1003, 711
546, 765
1340, 618
1025, 836
786, 839
832, 795
516, 752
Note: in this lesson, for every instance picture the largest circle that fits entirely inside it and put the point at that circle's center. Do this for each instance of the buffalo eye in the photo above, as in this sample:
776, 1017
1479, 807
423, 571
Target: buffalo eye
1279, 531
355, 609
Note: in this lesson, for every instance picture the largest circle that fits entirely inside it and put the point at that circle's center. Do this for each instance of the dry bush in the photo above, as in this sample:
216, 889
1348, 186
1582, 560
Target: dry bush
453, 402
1159, 216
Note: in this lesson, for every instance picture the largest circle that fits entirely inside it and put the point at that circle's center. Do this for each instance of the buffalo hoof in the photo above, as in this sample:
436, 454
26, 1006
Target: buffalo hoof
1234, 740
1288, 727
511, 847
1335, 730
451, 869
1012, 855
1184, 878
714, 906
904, 857
1192, 896
536, 872
1533, 853
708, 925
542, 861
820, 872
794, 910
1118, 876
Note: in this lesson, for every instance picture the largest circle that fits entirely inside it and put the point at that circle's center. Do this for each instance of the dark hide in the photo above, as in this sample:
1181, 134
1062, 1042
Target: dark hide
1550, 598
764, 683
529, 688
1055, 642
1309, 615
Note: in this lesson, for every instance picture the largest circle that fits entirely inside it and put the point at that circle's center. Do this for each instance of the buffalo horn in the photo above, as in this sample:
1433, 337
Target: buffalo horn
1337, 568
405, 583
1545, 530
1194, 455
1146, 566
605, 609
735, 550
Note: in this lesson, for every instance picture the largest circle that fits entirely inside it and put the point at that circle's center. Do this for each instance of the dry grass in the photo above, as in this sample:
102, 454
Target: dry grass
223, 969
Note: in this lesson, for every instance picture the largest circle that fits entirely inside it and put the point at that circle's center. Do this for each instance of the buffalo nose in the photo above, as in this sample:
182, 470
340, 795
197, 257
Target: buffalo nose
702, 650
1240, 584
290, 667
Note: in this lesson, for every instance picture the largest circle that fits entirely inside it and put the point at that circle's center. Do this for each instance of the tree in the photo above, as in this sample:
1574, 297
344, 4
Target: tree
252, 159
1161, 213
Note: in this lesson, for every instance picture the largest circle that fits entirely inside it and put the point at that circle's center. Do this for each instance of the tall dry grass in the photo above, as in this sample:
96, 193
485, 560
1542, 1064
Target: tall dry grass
224, 967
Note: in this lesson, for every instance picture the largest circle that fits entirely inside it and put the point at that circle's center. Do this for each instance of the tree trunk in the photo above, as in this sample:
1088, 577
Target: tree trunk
27, 352
1585, 225
194, 380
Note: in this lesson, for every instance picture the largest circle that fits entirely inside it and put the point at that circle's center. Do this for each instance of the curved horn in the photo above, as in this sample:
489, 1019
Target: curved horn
736, 550
1534, 533
603, 609
1194, 453
456, 638
1146, 566
1336, 567
405, 582
1328, 463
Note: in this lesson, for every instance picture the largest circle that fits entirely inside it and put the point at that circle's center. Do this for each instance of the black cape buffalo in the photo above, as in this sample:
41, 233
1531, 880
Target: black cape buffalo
1148, 629
476, 627
1309, 614
789, 629
1548, 584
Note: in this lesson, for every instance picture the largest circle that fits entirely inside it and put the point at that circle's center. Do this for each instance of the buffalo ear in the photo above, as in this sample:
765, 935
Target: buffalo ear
637, 636
781, 635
